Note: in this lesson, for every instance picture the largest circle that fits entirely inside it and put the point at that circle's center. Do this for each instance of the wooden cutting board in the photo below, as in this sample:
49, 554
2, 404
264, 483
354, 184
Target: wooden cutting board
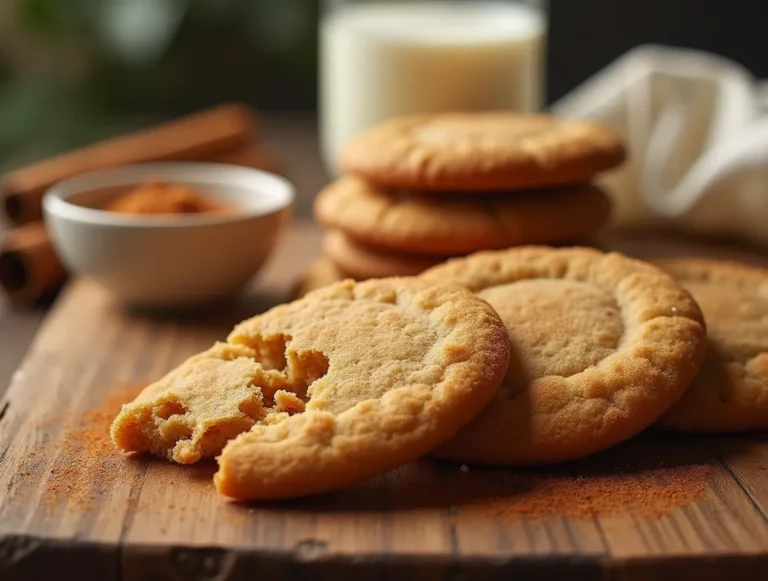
69, 502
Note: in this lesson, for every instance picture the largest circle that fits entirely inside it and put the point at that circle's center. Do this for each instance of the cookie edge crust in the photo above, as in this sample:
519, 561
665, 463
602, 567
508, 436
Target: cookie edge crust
685, 417
320, 273
366, 156
339, 450
359, 261
676, 378
511, 226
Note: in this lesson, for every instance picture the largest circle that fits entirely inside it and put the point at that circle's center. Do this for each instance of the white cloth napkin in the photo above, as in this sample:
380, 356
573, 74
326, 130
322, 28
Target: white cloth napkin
696, 128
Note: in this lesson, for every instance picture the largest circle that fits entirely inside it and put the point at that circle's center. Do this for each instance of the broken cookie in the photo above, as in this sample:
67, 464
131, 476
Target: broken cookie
346, 383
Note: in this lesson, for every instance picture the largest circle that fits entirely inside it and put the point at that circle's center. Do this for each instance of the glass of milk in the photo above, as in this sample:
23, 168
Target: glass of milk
384, 58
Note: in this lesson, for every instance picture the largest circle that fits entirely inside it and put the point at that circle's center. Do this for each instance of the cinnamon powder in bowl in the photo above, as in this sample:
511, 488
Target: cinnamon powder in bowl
197, 237
160, 197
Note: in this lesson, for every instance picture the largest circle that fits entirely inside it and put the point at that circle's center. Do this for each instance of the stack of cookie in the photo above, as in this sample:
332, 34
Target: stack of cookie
421, 189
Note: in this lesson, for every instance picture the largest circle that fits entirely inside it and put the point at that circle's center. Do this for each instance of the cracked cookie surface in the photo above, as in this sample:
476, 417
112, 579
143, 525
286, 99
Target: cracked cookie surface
463, 223
601, 346
351, 381
730, 393
481, 151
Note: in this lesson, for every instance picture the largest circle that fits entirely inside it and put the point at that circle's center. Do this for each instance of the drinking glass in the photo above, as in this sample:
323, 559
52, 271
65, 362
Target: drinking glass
380, 59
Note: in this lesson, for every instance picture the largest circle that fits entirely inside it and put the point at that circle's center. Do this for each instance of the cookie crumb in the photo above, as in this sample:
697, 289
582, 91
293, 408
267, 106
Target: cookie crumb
464, 468
288, 402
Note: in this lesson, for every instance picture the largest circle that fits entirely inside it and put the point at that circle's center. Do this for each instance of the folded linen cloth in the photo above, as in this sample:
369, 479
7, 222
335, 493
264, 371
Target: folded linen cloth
696, 128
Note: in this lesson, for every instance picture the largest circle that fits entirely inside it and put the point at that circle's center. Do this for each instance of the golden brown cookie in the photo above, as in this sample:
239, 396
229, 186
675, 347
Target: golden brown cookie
348, 382
463, 223
730, 393
320, 273
481, 151
361, 261
601, 346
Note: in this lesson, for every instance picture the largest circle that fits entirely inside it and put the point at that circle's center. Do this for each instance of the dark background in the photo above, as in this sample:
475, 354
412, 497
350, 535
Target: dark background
66, 80
588, 34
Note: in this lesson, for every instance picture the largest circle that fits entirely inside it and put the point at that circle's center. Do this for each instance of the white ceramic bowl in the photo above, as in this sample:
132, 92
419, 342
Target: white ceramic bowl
169, 261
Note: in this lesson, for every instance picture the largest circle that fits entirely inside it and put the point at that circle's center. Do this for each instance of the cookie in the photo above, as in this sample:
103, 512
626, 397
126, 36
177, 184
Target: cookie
361, 261
348, 382
601, 346
320, 273
481, 151
730, 393
462, 224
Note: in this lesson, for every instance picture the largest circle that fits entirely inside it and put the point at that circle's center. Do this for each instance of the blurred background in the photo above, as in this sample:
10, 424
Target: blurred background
77, 70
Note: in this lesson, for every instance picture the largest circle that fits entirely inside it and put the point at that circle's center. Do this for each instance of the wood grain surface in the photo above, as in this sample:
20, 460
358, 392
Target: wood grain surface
140, 518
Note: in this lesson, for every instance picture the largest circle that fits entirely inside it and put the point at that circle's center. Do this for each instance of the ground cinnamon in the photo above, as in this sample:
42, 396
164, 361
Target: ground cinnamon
647, 493
89, 463
160, 197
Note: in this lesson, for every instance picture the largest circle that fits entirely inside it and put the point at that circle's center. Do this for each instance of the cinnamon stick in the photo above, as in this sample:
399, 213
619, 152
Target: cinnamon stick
201, 136
257, 158
29, 267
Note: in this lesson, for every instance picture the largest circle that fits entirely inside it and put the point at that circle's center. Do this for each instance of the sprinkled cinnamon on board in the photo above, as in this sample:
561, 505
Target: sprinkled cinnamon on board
88, 466
88, 462
646, 493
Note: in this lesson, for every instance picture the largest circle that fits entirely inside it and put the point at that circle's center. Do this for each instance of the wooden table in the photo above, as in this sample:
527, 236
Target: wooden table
17, 328
149, 519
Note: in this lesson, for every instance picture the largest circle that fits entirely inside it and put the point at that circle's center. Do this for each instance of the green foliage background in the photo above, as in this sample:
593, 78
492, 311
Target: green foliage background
74, 70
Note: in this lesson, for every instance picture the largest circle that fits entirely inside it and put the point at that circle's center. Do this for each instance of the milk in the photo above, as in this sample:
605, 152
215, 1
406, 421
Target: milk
380, 60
